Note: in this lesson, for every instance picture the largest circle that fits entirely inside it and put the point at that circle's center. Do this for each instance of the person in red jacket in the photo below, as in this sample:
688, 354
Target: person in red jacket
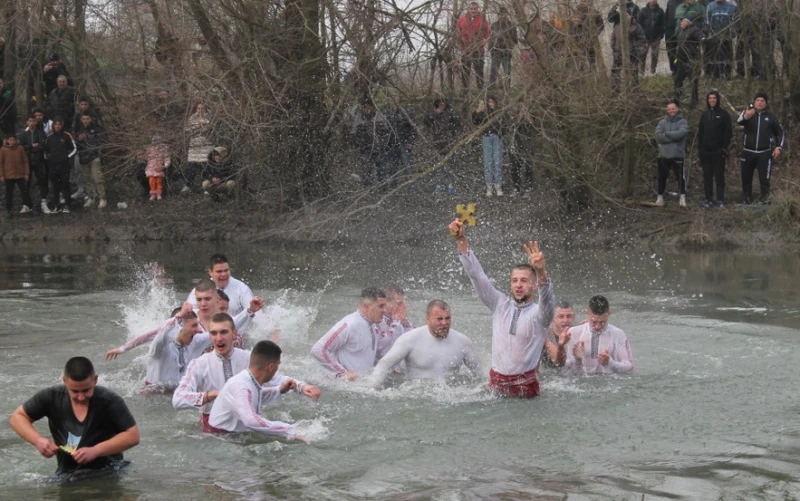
473, 31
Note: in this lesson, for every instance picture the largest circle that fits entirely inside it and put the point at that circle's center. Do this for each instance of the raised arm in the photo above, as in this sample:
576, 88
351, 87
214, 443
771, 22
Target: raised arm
147, 337
547, 300
483, 287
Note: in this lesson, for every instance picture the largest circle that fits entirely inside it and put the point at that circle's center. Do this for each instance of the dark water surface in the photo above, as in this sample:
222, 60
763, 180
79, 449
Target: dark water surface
710, 413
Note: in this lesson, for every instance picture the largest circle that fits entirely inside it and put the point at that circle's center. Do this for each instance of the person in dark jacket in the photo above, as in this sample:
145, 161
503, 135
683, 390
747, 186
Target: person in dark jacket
764, 141
586, 26
651, 19
8, 110
690, 17
404, 132
61, 102
444, 126
502, 41
636, 49
91, 141
32, 141
521, 153
51, 71
218, 173
613, 14
670, 36
713, 138
58, 151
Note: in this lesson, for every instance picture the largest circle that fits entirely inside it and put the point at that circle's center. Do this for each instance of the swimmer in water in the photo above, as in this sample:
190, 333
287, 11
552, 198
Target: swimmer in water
206, 374
519, 325
431, 352
238, 292
171, 352
348, 350
598, 347
237, 407
555, 347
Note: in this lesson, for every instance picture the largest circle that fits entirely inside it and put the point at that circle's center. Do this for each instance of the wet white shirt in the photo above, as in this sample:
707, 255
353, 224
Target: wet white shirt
518, 332
237, 291
206, 373
427, 357
389, 331
350, 345
237, 407
611, 338
168, 360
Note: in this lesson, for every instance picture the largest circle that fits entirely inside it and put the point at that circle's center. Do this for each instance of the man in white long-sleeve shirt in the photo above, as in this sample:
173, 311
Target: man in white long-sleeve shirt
598, 347
172, 350
238, 292
349, 348
431, 352
238, 405
395, 321
519, 325
206, 375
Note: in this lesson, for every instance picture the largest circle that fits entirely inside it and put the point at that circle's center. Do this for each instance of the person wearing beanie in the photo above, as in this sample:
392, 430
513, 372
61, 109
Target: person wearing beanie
764, 141
713, 138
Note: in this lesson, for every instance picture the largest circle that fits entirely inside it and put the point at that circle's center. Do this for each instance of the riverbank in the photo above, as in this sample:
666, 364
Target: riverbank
416, 217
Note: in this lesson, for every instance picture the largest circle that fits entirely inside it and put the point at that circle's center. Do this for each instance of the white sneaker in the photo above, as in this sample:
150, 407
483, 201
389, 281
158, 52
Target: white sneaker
488, 191
660, 201
65, 210
185, 189
61, 200
683, 201
78, 194
498, 190
45, 208
89, 203
103, 204
25, 209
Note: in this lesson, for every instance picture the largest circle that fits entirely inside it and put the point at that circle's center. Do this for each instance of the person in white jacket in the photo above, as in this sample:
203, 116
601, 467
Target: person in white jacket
434, 351
598, 347
237, 408
519, 325
348, 350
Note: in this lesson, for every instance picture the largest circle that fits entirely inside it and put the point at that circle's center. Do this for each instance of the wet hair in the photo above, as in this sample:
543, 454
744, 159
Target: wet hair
79, 369
222, 296
218, 318
524, 266
205, 284
175, 311
393, 290
436, 303
372, 294
216, 259
265, 352
563, 305
598, 305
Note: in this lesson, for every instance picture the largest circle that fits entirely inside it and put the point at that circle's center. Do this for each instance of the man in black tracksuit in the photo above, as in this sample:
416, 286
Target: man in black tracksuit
670, 37
59, 150
33, 140
764, 140
713, 137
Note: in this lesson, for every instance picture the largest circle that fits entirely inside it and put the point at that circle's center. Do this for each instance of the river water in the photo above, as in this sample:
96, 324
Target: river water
710, 412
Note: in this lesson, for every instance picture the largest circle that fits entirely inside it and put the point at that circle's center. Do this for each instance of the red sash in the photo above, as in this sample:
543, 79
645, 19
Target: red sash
518, 385
207, 428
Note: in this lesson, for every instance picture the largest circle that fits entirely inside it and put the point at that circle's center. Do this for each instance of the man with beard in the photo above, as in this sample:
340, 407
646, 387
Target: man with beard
519, 325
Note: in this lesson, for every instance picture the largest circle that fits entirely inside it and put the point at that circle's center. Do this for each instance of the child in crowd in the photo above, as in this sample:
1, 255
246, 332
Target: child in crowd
14, 170
158, 160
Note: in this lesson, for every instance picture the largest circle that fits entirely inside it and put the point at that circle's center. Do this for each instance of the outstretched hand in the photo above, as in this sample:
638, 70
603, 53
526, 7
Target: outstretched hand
256, 304
535, 256
112, 354
456, 228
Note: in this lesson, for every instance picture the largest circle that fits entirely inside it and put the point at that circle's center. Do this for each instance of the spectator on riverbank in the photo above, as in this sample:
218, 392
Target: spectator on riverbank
671, 134
502, 42
521, 152
636, 49
714, 135
50, 73
373, 140
218, 173
32, 141
59, 150
585, 27
690, 18
651, 19
491, 120
472, 32
198, 127
8, 110
61, 102
91, 143
14, 171
404, 130
158, 160
720, 19
670, 34
444, 126
764, 141
84, 107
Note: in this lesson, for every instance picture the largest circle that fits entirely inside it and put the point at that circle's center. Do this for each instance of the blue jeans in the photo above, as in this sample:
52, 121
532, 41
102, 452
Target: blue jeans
493, 159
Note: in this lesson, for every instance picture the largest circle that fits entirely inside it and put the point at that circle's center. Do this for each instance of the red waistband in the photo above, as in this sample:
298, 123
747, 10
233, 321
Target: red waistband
524, 385
207, 428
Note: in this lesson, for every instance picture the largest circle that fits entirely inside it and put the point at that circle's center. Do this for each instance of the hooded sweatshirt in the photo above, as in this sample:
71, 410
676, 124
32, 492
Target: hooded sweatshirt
715, 130
671, 135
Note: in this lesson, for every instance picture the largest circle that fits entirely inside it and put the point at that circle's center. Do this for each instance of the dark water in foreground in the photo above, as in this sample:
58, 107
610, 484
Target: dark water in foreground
710, 413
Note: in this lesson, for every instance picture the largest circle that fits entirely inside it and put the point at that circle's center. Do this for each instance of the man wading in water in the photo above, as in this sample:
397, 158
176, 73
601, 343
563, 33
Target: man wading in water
519, 326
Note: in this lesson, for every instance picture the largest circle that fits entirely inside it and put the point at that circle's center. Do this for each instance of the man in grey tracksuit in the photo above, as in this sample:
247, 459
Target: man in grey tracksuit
671, 134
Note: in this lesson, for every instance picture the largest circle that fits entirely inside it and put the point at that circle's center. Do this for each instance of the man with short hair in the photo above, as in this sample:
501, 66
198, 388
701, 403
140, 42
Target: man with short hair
237, 407
348, 350
206, 375
220, 272
395, 320
472, 31
172, 350
671, 134
15, 171
502, 42
764, 140
519, 325
61, 102
59, 148
713, 138
33, 140
91, 426
91, 141
598, 347
430, 352
555, 347
51, 71
44, 122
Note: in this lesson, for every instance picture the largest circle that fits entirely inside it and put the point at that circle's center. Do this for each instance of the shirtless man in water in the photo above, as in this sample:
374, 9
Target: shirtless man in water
519, 325
430, 352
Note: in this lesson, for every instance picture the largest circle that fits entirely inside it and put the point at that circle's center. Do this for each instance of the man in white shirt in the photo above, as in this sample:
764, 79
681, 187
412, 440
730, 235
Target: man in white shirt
206, 375
431, 352
395, 320
555, 347
598, 347
349, 348
237, 408
519, 325
172, 350
238, 292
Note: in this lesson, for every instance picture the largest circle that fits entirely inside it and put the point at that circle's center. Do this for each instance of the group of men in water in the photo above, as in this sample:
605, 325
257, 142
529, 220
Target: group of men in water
198, 355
